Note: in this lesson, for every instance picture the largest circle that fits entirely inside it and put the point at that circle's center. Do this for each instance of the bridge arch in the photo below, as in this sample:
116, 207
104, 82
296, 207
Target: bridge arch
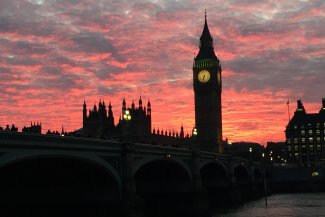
215, 181
147, 160
243, 181
241, 173
257, 175
214, 173
258, 182
165, 186
58, 183
11, 158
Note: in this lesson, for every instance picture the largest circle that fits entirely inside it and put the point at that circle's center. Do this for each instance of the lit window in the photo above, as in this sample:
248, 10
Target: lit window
288, 141
310, 132
295, 140
303, 132
296, 154
318, 139
303, 140
311, 139
303, 146
295, 126
311, 147
317, 132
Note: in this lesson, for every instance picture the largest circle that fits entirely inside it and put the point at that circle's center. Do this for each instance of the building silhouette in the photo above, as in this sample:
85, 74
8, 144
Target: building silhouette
12, 128
242, 149
134, 124
207, 94
305, 136
98, 122
34, 128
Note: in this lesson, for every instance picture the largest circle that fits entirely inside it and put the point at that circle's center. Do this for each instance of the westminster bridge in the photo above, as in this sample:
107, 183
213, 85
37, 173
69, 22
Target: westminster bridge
39, 170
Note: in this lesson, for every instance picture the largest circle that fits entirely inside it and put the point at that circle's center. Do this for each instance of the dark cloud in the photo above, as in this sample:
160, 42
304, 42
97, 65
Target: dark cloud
51, 70
92, 42
297, 75
23, 61
64, 82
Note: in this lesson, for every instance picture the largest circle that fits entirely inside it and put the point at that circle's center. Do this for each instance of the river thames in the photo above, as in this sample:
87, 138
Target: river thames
281, 205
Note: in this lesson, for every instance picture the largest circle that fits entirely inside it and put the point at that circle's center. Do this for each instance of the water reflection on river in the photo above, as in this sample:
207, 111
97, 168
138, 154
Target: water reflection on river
281, 205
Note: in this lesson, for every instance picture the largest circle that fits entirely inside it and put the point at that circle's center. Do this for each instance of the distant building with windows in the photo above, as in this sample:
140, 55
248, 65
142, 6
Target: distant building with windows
305, 136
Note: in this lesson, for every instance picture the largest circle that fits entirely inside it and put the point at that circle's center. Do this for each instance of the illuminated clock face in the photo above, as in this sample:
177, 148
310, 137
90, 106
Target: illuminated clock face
204, 76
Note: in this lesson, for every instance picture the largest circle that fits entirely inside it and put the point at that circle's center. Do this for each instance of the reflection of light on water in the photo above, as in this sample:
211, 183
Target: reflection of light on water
281, 205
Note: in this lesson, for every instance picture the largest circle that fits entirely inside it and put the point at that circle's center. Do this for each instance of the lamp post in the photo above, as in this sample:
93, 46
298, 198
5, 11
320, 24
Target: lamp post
127, 118
264, 180
250, 153
194, 132
194, 137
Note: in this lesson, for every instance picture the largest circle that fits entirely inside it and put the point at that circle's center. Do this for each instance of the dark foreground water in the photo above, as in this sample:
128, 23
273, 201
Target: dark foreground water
281, 205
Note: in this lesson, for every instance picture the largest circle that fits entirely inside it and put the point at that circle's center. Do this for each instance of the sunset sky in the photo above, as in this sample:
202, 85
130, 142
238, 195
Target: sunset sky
56, 53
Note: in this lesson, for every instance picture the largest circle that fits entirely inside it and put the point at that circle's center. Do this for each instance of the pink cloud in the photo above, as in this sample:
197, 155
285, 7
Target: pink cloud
56, 54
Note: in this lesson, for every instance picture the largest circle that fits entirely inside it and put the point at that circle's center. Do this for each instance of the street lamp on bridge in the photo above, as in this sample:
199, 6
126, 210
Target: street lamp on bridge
127, 118
250, 153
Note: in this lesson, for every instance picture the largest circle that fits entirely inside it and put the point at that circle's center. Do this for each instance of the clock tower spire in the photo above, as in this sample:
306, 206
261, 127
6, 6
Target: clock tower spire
207, 94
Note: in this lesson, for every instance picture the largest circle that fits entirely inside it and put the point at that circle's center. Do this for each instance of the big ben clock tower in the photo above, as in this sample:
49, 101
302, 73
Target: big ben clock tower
207, 93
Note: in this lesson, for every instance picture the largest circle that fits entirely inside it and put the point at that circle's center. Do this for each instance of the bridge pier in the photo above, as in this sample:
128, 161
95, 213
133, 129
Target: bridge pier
233, 196
200, 199
132, 204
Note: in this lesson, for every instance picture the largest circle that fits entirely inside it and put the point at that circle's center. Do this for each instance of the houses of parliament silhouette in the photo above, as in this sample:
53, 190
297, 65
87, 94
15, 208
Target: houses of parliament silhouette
134, 124
135, 121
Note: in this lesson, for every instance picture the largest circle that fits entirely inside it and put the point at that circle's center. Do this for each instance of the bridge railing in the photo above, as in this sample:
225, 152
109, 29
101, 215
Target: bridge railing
10, 139
166, 151
18, 139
